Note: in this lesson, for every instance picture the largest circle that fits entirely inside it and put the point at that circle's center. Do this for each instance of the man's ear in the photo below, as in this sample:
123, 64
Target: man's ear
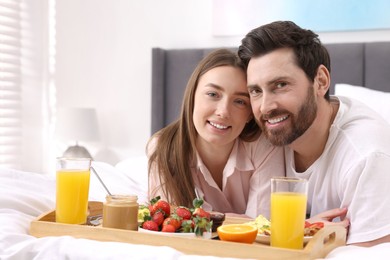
322, 79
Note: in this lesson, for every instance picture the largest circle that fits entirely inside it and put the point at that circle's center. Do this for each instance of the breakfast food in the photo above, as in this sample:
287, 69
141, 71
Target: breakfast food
312, 228
264, 226
120, 211
160, 216
243, 233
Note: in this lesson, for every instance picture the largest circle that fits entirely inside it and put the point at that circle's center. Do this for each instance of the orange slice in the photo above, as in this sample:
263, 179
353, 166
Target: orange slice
237, 233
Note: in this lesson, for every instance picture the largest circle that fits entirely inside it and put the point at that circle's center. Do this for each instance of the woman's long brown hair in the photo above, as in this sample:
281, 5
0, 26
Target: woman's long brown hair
175, 150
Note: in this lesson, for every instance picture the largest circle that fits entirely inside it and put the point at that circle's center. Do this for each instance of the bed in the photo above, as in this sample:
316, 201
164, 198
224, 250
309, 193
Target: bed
360, 70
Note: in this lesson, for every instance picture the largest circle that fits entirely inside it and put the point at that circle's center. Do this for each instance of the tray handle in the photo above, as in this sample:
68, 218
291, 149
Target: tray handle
326, 240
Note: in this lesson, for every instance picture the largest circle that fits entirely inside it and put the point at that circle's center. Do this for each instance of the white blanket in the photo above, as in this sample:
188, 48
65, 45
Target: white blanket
25, 195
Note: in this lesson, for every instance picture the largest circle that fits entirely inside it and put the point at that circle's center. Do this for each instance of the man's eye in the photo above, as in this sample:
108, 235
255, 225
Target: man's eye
281, 84
255, 92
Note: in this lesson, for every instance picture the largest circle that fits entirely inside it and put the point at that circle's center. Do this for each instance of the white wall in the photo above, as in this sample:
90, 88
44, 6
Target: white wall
104, 60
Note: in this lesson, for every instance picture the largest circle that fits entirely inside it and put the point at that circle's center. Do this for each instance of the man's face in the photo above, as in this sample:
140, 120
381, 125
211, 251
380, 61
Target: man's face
282, 97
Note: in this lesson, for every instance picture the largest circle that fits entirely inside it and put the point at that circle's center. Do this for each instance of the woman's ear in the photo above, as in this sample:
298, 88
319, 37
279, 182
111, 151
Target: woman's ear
322, 79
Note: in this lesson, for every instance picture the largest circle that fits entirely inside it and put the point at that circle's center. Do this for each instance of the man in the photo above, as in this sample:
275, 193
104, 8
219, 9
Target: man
341, 146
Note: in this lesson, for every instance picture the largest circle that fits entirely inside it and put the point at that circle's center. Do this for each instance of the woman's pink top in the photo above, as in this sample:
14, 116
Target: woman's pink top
245, 183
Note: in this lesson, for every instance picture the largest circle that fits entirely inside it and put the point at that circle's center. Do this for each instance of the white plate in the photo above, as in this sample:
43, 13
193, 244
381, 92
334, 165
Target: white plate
264, 239
206, 235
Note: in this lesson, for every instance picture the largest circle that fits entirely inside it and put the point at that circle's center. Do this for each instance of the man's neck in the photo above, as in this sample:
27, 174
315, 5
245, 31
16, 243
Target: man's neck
309, 147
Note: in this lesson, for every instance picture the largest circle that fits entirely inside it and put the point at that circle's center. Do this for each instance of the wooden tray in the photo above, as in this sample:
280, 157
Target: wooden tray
319, 246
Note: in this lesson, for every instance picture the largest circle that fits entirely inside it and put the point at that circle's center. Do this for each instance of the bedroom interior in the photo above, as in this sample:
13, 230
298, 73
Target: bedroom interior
88, 67
134, 77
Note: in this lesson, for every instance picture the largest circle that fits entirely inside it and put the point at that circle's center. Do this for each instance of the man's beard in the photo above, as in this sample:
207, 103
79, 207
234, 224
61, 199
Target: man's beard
299, 123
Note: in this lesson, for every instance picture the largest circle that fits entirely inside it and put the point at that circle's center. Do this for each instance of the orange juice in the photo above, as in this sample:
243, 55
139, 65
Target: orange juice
72, 196
288, 212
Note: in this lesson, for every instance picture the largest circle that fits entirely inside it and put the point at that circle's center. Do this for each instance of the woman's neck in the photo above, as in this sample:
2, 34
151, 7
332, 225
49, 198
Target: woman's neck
215, 158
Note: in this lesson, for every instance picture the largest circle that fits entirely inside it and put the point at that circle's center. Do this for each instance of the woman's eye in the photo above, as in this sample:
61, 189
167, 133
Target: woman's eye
211, 94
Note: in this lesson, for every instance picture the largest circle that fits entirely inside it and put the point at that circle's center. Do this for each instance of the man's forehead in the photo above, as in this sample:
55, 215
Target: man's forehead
266, 69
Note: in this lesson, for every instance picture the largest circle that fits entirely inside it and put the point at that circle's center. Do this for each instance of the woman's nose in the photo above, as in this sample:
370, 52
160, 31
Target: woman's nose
223, 109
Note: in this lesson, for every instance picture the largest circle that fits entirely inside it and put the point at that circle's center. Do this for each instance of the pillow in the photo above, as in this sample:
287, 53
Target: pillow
135, 169
379, 101
118, 180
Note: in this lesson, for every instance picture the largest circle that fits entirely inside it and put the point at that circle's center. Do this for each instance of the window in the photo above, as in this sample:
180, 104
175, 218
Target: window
10, 84
23, 84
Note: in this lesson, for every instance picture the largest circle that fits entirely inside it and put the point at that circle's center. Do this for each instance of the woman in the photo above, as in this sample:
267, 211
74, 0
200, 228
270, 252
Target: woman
214, 150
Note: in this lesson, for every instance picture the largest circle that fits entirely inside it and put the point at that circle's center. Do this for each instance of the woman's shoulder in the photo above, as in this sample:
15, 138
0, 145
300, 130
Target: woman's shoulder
260, 148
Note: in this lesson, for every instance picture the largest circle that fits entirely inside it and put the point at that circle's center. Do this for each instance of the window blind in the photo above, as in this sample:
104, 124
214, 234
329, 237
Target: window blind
10, 84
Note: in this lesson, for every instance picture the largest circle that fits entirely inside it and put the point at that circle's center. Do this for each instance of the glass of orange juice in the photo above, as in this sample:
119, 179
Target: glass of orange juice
72, 190
288, 212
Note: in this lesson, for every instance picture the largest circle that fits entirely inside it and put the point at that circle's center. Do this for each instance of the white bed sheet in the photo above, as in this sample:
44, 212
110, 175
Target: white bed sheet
26, 195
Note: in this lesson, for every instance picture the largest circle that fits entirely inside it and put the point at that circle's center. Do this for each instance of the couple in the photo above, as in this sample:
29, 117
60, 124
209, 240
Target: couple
281, 84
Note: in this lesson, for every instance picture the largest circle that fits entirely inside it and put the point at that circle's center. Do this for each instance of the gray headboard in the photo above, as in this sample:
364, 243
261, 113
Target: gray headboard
362, 64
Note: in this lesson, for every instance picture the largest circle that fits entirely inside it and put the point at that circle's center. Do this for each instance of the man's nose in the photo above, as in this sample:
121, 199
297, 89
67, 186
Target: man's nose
268, 103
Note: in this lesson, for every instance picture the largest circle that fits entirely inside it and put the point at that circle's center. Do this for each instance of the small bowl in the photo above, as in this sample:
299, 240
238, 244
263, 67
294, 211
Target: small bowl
218, 218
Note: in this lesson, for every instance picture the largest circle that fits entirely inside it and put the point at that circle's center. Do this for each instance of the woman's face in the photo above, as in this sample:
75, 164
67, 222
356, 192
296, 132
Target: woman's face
221, 106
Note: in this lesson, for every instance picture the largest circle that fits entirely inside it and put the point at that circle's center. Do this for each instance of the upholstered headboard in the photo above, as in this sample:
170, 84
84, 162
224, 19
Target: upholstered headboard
361, 64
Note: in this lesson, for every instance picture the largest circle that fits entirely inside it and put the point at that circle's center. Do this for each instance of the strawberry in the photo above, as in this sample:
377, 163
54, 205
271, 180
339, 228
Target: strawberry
150, 225
158, 217
158, 204
151, 205
187, 226
151, 210
202, 225
173, 220
164, 206
168, 228
183, 212
199, 212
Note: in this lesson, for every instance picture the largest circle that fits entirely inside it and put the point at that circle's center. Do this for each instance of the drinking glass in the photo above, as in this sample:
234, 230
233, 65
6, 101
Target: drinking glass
288, 212
72, 190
